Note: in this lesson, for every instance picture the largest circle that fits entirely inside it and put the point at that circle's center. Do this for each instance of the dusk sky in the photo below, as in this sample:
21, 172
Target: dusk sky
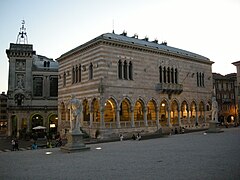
207, 27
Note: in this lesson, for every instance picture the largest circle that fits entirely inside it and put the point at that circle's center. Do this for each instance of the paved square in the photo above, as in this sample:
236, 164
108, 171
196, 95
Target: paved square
185, 156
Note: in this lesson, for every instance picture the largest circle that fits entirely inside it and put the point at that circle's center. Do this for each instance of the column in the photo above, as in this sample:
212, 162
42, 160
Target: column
169, 117
102, 124
132, 118
157, 118
19, 120
188, 117
204, 116
118, 125
179, 119
91, 118
145, 117
196, 120
9, 129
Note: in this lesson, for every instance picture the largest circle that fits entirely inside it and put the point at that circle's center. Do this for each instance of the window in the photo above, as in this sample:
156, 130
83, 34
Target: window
90, 71
160, 74
80, 73
200, 79
172, 75
164, 75
176, 76
168, 75
53, 86
76, 74
130, 71
125, 70
37, 86
64, 79
73, 75
120, 69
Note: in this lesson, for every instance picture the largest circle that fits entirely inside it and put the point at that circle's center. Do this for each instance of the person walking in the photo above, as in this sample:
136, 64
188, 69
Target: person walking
13, 144
16, 145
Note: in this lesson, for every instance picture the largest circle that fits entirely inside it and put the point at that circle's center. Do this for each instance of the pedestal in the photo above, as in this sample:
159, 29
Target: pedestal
213, 128
74, 143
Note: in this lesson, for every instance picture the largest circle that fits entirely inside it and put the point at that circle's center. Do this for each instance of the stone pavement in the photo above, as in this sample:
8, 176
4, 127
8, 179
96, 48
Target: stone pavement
184, 156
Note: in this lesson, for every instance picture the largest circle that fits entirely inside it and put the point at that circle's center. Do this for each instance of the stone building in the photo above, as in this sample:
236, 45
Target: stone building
128, 85
3, 113
32, 88
237, 64
226, 97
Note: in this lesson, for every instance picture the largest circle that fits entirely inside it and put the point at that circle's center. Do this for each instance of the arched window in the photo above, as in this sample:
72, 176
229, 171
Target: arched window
160, 74
44, 64
48, 64
168, 75
200, 79
172, 75
64, 79
197, 79
90, 71
120, 69
164, 75
130, 71
76, 74
125, 70
176, 76
80, 73
73, 75
203, 79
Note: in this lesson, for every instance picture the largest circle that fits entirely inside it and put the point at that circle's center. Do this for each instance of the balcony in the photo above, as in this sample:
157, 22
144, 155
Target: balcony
169, 88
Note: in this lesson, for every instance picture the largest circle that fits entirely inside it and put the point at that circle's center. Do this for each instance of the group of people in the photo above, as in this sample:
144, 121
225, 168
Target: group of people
138, 137
134, 137
15, 145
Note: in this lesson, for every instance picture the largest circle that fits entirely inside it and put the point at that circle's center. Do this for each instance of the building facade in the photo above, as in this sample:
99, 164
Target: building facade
237, 64
131, 85
32, 89
3, 113
226, 97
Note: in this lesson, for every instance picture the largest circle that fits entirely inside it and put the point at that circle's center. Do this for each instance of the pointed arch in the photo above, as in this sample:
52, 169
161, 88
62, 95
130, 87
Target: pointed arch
110, 112
163, 112
174, 112
151, 112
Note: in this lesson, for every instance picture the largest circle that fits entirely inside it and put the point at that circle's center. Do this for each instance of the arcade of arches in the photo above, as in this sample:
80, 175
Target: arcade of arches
129, 114
20, 122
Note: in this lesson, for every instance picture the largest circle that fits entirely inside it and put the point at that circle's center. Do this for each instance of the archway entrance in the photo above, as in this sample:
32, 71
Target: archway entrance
37, 120
53, 124
163, 113
125, 113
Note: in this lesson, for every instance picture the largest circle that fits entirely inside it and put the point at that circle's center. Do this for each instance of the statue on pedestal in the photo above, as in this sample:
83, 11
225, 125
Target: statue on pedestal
75, 114
214, 110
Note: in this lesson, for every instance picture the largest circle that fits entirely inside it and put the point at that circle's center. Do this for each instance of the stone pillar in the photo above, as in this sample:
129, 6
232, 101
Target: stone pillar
102, 123
188, 117
179, 119
157, 118
28, 124
196, 121
145, 117
118, 125
91, 119
19, 120
169, 117
132, 118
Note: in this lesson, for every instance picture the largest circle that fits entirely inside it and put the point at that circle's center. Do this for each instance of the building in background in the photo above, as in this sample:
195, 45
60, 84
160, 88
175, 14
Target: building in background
32, 88
237, 64
3, 113
128, 85
226, 93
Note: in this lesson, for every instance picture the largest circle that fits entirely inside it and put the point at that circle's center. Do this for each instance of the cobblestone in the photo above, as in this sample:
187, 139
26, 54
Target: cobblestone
184, 156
